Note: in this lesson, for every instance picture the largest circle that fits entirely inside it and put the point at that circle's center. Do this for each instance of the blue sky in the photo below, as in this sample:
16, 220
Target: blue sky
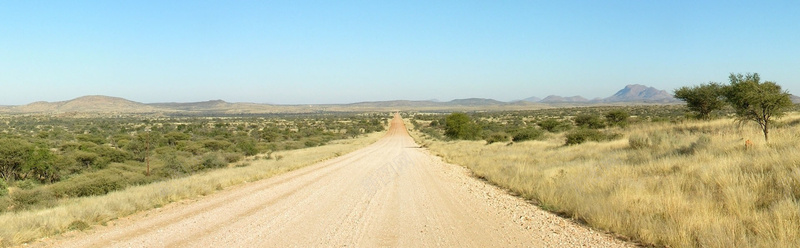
342, 52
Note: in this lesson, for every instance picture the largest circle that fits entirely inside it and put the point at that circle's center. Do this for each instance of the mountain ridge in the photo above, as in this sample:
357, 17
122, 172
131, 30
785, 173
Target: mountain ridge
631, 94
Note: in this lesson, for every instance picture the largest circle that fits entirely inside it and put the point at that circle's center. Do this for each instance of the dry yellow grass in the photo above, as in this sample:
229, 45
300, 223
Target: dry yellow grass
684, 185
20, 227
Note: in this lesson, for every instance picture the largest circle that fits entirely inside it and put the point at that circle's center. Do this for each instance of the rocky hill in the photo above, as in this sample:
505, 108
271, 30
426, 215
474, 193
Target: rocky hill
630, 94
561, 99
640, 93
86, 104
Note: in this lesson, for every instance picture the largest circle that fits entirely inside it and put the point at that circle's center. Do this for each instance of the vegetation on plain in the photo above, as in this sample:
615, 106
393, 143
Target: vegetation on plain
662, 178
81, 213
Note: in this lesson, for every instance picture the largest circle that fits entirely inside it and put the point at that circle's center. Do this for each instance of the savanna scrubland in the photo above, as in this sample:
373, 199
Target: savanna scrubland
65, 173
658, 176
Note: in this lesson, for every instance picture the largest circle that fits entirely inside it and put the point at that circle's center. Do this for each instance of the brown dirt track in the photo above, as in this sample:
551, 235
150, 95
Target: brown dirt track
391, 193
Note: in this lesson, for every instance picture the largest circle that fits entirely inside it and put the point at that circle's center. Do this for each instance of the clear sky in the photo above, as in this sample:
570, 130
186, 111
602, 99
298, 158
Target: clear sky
342, 52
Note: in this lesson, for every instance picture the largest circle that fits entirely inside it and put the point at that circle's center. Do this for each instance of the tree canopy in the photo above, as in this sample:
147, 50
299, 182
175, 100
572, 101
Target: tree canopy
756, 101
460, 126
702, 99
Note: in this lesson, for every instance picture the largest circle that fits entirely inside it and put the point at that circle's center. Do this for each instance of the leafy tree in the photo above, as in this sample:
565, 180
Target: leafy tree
617, 118
14, 154
702, 99
589, 121
756, 101
42, 165
460, 126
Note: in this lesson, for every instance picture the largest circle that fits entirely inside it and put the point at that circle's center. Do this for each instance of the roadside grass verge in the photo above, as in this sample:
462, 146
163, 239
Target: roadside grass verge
81, 213
691, 184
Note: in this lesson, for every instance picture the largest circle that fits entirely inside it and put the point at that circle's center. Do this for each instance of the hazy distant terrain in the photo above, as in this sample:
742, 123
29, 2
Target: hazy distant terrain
107, 104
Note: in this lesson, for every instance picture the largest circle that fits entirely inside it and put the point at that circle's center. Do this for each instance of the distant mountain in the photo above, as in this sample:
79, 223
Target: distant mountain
193, 106
561, 99
475, 102
795, 99
641, 93
532, 99
105, 104
88, 104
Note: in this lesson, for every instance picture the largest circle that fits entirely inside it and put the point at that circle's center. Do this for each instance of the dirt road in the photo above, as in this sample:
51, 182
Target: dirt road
392, 193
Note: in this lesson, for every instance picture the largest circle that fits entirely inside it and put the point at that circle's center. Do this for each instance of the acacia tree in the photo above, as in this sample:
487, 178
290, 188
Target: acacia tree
460, 126
617, 118
702, 99
756, 101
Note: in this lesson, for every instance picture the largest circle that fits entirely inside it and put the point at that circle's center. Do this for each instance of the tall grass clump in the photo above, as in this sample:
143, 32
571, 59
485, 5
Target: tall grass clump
680, 184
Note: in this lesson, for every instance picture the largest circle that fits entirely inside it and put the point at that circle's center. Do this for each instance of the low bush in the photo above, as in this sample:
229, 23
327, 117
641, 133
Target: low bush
529, 133
97, 183
554, 125
232, 157
496, 137
26, 199
3, 188
213, 160
589, 121
582, 135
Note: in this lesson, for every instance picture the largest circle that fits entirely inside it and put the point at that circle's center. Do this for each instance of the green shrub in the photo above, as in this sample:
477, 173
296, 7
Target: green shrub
582, 135
460, 126
174, 166
27, 184
213, 160
589, 121
3, 188
232, 157
248, 147
529, 133
216, 145
496, 137
31, 198
554, 125
94, 183
617, 118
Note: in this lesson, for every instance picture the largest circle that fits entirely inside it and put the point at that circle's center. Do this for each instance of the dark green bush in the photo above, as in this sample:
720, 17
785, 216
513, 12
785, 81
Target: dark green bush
589, 121
554, 126
213, 160
617, 118
582, 135
529, 133
217, 145
94, 183
496, 137
461, 126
